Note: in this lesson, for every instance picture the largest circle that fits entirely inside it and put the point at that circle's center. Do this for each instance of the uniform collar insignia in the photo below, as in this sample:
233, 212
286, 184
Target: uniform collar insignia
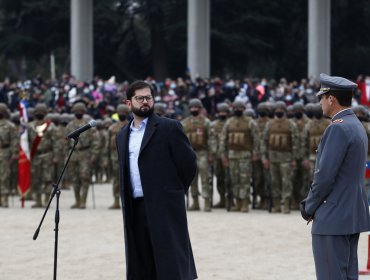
337, 121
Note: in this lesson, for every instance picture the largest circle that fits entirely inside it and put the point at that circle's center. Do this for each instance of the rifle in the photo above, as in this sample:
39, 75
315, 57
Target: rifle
229, 190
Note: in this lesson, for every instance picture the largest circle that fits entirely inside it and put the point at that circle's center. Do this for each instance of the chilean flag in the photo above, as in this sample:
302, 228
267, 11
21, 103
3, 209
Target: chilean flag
367, 173
24, 163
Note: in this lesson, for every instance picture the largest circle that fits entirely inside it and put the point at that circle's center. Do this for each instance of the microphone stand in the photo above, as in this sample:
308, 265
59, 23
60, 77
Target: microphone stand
56, 192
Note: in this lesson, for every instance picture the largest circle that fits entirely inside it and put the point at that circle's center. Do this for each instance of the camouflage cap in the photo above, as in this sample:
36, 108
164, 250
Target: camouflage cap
40, 108
250, 113
122, 109
79, 108
263, 107
223, 107
238, 104
3, 109
298, 106
280, 105
195, 102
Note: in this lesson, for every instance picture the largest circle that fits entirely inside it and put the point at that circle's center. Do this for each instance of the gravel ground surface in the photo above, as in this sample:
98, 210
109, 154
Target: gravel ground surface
234, 246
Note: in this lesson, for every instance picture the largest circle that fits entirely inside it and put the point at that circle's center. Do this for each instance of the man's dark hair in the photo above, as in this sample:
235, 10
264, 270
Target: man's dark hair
138, 85
344, 97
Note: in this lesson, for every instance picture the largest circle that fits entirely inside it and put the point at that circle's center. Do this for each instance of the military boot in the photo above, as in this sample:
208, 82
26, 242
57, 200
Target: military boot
207, 205
38, 203
237, 206
195, 205
276, 208
116, 204
83, 200
5, 201
221, 203
285, 208
78, 200
245, 205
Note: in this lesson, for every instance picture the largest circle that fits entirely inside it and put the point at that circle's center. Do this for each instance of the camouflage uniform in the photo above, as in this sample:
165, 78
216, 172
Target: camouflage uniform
43, 155
8, 153
300, 174
101, 160
279, 150
122, 111
215, 133
240, 145
197, 130
85, 154
15, 119
261, 176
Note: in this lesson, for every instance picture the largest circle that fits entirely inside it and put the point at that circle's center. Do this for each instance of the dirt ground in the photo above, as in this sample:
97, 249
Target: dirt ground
227, 246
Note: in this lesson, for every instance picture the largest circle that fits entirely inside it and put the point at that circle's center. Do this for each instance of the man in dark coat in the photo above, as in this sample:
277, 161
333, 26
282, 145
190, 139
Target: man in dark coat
157, 165
337, 201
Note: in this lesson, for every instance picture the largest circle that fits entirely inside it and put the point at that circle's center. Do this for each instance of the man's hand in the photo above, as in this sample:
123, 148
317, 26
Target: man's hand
304, 214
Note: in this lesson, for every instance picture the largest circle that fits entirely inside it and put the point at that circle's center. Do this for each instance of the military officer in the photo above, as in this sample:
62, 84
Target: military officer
84, 156
44, 153
279, 152
336, 201
216, 126
239, 146
123, 112
197, 130
8, 153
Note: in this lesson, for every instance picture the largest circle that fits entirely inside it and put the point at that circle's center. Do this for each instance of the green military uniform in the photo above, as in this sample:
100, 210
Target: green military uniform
83, 158
240, 144
101, 159
215, 133
279, 151
197, 130
15, 119
300, 174
122, 111
8, 153
44, 153
261, 176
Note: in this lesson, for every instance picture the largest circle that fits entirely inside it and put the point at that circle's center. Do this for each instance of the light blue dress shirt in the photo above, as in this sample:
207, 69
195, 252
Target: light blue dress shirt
136, 137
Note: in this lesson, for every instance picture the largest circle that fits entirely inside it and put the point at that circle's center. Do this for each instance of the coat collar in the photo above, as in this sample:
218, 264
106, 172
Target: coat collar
151, 127
342, 113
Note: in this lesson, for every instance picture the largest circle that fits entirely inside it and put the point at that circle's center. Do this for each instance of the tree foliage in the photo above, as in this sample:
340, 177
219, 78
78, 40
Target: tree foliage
137, 38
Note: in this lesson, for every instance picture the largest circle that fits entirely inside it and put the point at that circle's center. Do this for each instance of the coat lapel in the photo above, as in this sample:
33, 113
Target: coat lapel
149, 131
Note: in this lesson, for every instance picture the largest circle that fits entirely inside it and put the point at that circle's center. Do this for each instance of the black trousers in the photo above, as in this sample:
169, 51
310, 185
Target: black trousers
335, 256
144, 265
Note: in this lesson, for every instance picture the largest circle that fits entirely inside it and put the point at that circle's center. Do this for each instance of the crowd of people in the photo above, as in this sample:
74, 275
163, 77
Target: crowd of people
256, 137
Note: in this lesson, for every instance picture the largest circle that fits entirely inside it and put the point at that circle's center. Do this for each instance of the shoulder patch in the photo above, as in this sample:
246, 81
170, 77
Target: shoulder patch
338, 121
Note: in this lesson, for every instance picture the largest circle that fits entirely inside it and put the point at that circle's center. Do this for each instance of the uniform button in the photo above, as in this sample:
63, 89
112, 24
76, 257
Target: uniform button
324, 201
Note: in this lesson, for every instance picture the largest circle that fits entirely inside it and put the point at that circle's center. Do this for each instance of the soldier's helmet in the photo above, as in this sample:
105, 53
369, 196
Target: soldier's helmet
160, 107
298, 107
280, 105
238, 104
99, 124
195, 102
79, 108
262, 107
250, 113
360, 110
15, 117
40, 108
122, 109
310, 107
223, 107
107, 122
4, 111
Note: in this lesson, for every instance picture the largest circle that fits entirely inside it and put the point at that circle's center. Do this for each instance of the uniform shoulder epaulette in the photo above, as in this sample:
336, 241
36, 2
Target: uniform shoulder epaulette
338, 121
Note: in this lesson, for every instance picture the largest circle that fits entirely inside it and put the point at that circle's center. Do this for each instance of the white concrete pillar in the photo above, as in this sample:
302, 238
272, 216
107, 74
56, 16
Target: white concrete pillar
319, 37
82, 39
199, 38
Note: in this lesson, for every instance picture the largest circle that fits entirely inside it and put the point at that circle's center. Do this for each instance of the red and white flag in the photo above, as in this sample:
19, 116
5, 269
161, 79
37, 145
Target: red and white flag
24, 159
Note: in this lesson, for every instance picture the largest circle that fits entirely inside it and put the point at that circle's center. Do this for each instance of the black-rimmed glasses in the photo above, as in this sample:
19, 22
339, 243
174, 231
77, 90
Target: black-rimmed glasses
140, 99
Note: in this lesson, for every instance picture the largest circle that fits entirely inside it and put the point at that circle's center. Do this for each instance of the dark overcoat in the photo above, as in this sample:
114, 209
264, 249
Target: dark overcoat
167, 165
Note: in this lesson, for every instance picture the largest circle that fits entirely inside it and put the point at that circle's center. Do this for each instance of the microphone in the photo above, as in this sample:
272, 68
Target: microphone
81, 129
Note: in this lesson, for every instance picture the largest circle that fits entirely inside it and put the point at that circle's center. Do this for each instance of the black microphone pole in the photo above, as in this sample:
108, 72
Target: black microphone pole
56, 192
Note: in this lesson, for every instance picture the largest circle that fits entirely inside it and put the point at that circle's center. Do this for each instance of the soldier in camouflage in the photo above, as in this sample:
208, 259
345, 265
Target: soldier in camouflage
239, 146
300, 174
44, 153
216, 126
8, 153
196, 128
15, 119
279, 153
123, 112
84, 156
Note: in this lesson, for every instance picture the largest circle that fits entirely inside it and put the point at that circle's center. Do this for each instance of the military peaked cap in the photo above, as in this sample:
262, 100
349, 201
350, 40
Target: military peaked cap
332, 83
